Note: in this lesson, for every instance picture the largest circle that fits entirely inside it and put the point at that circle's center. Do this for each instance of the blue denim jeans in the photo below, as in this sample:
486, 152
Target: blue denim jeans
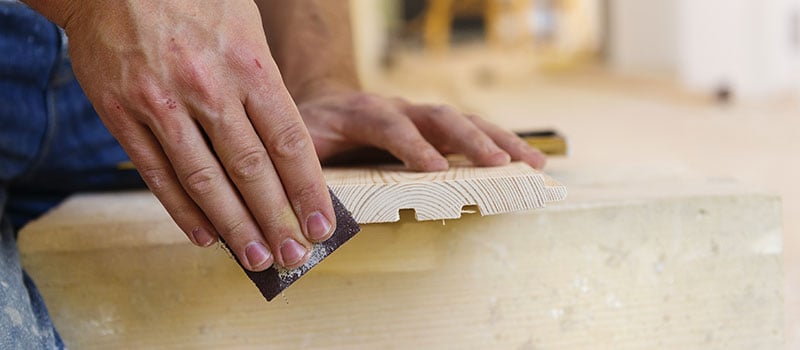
51, 144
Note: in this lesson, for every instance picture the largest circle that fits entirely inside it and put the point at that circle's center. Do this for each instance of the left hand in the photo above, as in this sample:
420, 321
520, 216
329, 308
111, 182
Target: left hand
344, 120
192, 93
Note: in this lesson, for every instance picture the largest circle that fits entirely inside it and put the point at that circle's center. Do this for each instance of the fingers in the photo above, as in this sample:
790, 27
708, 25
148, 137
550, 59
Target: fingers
153, 166
248, 165
454, 132
416, 134
388, 129
252, 194
481, 142
511, 143
204, 180
277, 122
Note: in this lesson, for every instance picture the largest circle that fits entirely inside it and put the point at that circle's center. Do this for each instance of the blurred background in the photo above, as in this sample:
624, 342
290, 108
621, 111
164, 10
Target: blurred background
647, 91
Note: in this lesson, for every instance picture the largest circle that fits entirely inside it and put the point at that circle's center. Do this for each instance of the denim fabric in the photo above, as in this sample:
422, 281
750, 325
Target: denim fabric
51, 144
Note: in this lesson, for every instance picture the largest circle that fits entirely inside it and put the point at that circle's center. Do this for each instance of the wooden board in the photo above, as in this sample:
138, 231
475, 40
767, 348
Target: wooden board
377, 194
689, 271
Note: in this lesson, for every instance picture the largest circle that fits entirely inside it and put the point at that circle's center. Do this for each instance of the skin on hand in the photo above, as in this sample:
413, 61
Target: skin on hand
417, 134
191, 92
312, 45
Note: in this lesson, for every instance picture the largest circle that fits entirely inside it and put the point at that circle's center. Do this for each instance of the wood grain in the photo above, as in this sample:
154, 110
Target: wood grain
682, 272
377, 194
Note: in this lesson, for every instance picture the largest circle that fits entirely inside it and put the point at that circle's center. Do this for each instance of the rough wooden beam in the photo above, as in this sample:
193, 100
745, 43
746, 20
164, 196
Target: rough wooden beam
687, 271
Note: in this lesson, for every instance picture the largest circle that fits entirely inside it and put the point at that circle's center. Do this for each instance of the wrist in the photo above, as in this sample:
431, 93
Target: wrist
62, 13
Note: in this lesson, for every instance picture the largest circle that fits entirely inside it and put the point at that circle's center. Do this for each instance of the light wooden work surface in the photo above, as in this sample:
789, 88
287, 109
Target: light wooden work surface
625, 130
675, 266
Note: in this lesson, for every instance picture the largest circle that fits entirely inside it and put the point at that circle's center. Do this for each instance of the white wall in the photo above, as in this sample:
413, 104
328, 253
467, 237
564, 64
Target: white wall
643, 37
746, 44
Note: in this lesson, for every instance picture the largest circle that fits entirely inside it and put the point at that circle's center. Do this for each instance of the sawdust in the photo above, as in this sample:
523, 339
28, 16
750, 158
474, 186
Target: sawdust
318, 252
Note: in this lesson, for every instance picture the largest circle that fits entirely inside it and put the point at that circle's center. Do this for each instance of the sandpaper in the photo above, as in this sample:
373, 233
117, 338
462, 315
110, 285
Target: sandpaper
275, 279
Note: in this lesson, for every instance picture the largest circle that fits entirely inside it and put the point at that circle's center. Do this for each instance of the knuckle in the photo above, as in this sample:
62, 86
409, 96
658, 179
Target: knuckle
184, 213
146, 100
156, 178
474, 134
246, 59
155, 109
387, 128
210, 116
279, 224
365, 101
202, 84
249, 165
441, 111
195, 74
390, 126
289, 141
202, 181
235, 230
306, 193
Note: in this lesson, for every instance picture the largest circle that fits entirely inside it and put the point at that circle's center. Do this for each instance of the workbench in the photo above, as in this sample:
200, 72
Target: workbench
658, 265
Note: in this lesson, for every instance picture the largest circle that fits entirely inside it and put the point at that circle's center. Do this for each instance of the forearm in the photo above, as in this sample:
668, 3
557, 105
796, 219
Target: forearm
311, 41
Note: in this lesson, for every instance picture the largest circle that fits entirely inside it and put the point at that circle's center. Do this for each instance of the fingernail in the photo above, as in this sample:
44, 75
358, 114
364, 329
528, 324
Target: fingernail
292, 252
256, 254
317, 226
202, 237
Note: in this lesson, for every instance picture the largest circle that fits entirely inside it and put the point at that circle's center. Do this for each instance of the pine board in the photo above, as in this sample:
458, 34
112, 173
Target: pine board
377, 194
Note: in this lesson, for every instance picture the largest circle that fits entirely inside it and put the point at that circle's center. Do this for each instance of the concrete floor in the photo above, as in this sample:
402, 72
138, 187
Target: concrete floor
624, 131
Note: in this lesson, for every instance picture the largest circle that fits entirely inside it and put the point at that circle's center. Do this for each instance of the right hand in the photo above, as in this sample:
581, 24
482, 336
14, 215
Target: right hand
164, 75
343, 119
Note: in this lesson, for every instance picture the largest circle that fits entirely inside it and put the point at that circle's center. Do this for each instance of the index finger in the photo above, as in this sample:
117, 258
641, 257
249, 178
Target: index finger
511, 143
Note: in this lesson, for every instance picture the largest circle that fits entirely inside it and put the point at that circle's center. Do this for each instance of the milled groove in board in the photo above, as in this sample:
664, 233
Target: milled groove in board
377, 194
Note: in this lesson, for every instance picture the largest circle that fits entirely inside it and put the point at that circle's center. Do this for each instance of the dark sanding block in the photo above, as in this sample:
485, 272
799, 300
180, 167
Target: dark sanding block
274, 280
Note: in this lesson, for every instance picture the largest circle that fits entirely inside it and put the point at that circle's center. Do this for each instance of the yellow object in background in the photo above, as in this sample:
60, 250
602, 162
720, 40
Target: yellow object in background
548, 141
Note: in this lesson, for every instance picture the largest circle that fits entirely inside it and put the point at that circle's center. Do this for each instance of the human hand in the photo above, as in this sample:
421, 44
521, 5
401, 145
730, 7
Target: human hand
344, 119
191, 92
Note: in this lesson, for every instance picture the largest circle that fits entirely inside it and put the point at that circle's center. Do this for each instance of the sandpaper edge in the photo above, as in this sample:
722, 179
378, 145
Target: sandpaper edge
275, 280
